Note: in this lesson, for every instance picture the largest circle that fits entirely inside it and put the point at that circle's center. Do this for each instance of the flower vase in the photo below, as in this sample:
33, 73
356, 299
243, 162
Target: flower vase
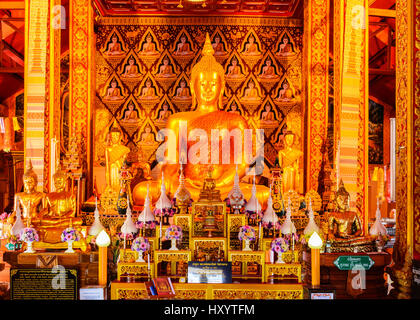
140, 257
29, 248
173, 245
69, 247
247, 248
280, 258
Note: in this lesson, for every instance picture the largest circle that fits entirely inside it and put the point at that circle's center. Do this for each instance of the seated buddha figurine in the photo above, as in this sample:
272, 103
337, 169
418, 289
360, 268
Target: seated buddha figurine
289, 161
164, 114
268, 71
61, 209
234, 109
234, 70
148, 92
218, 48
31, 201
286, 94
149, 48
345, 227
183, 47
182, 92
285, 48
131, 69
113, 92
165, 70
147, 137
130, 115
207, 86
251, 92
251, 48
268, 117
114, 47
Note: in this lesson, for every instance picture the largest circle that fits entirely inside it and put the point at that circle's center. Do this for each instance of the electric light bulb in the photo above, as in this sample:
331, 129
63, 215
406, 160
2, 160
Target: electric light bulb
103, 239
315, 241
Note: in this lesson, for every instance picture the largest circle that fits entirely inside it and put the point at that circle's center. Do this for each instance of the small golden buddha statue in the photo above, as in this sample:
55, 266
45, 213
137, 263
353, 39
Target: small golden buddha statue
115, 154
345, 227
31, 201
289, 161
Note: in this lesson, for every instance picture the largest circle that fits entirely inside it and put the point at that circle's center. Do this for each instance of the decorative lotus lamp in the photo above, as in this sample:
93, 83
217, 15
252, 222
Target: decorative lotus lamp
70, 235
103, 241
270, 219
315, 243
163, 208
253, 207
140, 245
247, 234
182, 197
173, 233
96, 226
311, 227
235, 198
146, 219
128, 229
378, 230
18, 226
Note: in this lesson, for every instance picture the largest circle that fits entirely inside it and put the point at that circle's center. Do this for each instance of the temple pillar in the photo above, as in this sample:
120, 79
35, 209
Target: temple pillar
36, 33
416, 122
81, 80
316, 17
351, 67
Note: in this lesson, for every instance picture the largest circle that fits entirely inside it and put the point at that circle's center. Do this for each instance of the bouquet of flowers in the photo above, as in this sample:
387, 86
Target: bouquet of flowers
70, 234
173, 232
166, 212
280, 245
246, 233
128, 236
13, 243
147, 224
29, 235
4, 216
140, 244
254, 215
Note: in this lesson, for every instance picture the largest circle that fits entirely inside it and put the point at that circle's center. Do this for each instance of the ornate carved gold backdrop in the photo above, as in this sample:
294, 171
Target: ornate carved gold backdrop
143, 67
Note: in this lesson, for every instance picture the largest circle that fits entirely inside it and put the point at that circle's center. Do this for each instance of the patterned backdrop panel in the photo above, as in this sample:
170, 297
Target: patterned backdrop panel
143, 69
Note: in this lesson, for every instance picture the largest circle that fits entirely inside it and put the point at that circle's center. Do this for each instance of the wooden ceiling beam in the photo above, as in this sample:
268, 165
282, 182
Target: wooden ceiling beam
382, 12
12, 5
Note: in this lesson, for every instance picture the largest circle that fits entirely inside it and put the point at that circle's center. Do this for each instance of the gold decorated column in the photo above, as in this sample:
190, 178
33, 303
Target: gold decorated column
81, 64
351, 101
36, 33
316, 38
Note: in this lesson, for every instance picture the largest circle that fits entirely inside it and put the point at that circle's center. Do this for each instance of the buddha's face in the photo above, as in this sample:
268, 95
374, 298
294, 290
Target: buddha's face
208, 87
113, 84
342, 202
182, 84
59, 183
217, 40
149, 39
289, 139
29, 184
131, 61
268, 62
114, 39
183, 39
285, 40
131, 107
165, 62
267, 107
148, 84
148, 129
115, 137
251, 40
234, 62
285, 85
165, 107
251, 85
234, 107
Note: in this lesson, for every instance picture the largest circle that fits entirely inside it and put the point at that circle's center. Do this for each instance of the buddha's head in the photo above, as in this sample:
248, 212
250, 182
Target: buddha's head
234, 62
114, 39
147, 129
30, 179
166, 61
342, 198
251, 84
285, 85
113, 84
285, 40
251, 39
234, 107
183, 39
267, 107
217, 39
207, 80
60, 179
165, 107
268, 62
149, 39
131, 107
148, 83
131, 61
289, 138
115, 134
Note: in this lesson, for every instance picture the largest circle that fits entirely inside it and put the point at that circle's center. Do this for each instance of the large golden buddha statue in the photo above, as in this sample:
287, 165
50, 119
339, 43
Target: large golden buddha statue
30, 200
289, 160
207, 87
345, 227
59, 213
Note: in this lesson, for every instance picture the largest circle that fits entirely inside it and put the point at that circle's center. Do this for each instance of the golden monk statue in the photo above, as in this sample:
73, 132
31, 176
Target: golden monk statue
345, 227
30, 200
289, 161
207, 87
